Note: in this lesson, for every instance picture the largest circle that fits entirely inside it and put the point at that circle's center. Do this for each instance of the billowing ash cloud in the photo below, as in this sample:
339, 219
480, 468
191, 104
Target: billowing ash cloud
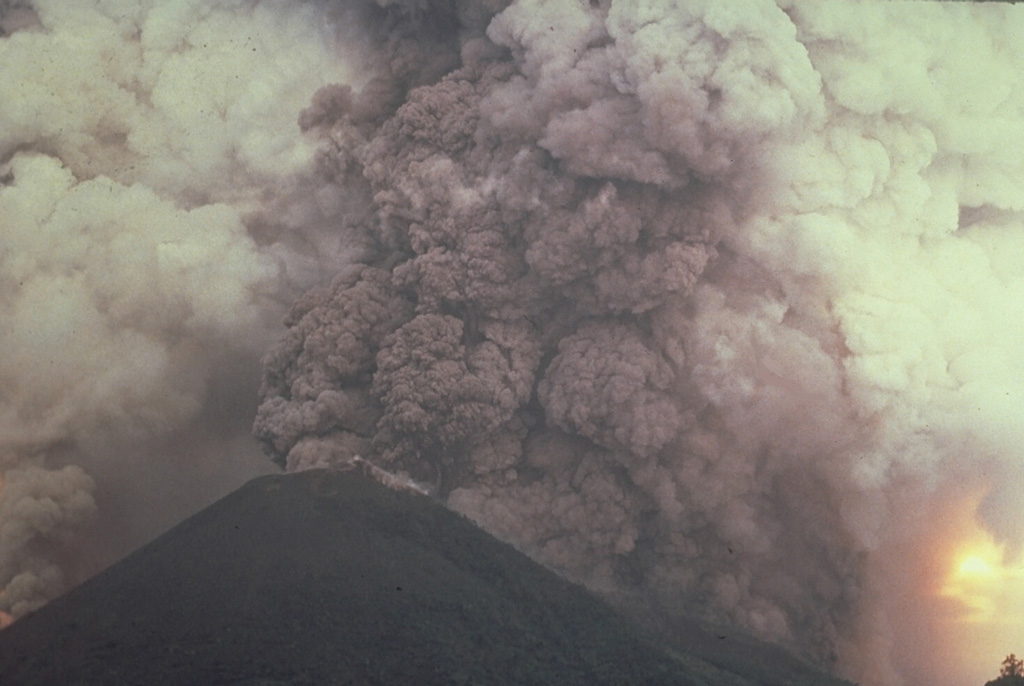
711, 305
158, 210
39, 511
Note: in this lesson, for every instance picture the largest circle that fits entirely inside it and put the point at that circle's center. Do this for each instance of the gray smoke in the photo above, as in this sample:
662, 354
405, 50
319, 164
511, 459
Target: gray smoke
712, 306
158, 212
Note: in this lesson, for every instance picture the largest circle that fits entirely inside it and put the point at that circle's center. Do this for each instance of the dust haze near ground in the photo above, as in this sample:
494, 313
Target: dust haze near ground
712, 306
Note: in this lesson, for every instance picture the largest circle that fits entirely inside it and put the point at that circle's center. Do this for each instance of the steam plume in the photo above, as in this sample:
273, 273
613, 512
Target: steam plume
709, 304
157, 211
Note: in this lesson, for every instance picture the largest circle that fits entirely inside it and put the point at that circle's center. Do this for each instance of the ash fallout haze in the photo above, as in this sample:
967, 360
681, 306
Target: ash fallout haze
715, 307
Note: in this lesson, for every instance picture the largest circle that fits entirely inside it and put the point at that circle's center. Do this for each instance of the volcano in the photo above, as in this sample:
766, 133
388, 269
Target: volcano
331, 577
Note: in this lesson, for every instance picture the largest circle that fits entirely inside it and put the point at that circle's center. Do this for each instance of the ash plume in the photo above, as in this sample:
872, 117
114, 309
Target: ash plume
158, 212
712, 306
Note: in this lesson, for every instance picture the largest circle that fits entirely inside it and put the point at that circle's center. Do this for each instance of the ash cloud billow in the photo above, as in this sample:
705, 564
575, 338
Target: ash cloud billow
158, 211
711, 306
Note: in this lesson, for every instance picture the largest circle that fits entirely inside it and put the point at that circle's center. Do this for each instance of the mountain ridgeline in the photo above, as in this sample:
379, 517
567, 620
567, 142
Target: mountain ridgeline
330, 577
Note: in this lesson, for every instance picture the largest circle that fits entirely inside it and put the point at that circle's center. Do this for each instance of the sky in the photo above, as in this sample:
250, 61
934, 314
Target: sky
713, 307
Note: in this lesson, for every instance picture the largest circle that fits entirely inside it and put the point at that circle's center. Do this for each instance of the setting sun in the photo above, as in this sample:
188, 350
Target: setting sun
980, 590
975, 566
975, 579
982, 561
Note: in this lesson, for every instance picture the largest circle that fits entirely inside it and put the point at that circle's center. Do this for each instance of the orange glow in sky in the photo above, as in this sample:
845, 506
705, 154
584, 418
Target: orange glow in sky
983, 594
974, 579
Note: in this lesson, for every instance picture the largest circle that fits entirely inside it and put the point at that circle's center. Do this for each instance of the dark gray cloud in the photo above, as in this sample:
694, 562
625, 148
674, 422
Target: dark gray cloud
683, 306
712, 306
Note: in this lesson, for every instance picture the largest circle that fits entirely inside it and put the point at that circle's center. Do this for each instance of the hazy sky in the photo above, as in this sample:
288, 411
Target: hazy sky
715, 306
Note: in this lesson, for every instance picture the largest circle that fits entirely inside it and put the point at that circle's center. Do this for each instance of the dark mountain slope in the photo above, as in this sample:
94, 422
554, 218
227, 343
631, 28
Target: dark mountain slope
331, 578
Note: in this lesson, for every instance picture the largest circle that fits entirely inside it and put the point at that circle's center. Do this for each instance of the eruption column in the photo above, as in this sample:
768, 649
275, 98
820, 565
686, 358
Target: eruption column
713, 306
